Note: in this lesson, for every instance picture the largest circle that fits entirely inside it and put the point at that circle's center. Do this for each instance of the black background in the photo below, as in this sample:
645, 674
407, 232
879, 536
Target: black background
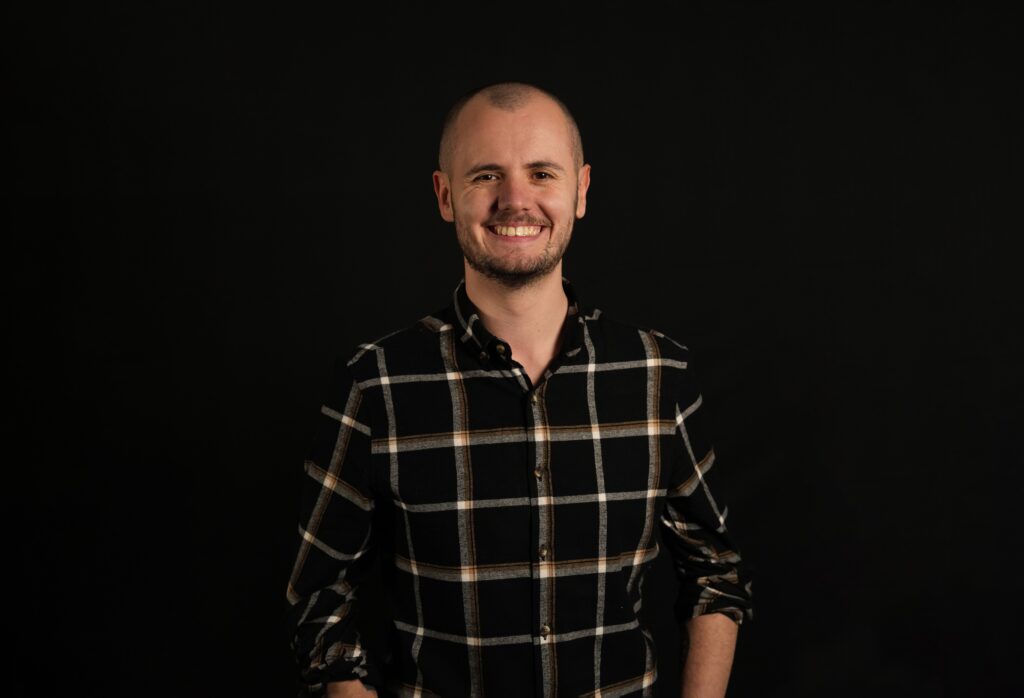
208, 204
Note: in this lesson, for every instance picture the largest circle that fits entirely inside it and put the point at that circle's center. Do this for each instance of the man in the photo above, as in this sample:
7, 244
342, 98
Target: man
516, 457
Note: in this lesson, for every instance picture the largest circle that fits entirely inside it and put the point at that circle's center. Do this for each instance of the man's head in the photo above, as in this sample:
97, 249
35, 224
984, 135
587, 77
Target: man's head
508, 96
511, 161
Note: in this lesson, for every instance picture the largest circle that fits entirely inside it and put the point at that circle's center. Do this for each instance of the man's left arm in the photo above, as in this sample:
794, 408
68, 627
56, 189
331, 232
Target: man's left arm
715, 584
709, 659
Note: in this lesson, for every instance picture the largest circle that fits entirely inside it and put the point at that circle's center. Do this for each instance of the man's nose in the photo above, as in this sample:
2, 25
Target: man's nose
513, 193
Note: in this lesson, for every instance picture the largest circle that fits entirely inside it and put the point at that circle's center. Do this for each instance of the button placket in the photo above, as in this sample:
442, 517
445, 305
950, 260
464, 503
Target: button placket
544, 553
542, 571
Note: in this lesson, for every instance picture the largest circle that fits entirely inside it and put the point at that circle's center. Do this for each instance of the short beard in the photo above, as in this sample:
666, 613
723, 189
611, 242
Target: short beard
520, 278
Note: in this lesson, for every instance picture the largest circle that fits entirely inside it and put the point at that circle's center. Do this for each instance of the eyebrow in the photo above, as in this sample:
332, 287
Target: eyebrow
536, 164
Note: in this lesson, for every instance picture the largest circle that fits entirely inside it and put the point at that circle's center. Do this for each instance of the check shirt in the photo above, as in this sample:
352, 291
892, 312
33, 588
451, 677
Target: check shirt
518, 520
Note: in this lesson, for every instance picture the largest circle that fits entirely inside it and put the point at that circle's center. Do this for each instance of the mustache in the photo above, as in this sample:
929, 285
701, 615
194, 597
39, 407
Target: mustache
514, 222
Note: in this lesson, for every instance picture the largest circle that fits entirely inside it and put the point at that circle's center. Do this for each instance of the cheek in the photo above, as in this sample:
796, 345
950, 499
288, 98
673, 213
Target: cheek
557, 207
472, 206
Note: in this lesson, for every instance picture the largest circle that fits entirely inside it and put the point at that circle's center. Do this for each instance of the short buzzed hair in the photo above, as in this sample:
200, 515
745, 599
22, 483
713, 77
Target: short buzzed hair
507, 96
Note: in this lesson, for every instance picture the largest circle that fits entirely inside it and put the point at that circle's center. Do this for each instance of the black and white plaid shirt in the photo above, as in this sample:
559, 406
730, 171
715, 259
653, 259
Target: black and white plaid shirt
520, 519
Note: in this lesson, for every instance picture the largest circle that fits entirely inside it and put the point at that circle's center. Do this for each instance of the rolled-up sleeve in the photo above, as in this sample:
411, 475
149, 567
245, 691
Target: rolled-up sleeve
335, 540
713, 578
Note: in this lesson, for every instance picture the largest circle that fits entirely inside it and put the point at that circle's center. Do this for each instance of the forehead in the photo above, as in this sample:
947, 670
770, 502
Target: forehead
537, 130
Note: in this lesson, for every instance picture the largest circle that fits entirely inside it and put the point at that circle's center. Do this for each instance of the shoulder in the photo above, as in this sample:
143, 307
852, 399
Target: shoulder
409, 349
617, 340
621, 339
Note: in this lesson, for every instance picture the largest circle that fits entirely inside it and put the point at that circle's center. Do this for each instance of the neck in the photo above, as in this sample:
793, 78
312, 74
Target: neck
530, 318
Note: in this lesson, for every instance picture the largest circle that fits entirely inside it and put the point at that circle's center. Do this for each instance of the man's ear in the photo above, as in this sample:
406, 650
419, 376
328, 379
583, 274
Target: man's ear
443, 191
582, 183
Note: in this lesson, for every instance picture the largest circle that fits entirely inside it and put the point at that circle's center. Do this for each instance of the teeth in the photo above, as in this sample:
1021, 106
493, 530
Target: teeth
517, 231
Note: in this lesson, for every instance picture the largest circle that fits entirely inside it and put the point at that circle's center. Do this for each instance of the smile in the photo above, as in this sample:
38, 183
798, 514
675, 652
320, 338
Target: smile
516, 231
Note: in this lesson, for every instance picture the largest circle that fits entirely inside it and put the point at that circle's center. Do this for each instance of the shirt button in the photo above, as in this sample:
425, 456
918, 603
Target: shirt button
500, 349
543, 552
545, 630
483, 356
539, 472
535, 397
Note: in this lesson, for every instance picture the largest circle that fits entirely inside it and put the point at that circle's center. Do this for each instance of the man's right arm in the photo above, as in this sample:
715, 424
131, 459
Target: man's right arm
334, 544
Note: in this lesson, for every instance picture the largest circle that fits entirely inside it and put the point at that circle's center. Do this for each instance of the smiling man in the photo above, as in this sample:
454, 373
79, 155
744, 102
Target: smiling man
512, 179
516, 458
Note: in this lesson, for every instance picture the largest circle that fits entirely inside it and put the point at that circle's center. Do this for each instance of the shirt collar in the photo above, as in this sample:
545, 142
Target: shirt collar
476, 337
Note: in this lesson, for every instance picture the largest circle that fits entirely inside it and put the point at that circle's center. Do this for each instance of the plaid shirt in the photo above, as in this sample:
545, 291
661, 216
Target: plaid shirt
520, 519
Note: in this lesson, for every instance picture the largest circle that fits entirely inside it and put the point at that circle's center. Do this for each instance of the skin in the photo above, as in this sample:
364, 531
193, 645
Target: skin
709, 660
530, 179
348, 689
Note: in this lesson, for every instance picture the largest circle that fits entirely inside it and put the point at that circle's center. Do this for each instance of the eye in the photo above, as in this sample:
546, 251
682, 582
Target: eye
479, 177
547, 175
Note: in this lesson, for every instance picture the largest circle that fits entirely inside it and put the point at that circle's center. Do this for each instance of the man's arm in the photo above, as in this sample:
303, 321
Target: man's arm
335, 540
714, 583
709, 659
349, 689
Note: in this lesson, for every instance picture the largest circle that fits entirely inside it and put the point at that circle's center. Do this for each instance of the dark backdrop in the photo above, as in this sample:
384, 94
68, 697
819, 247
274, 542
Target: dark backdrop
206, 205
